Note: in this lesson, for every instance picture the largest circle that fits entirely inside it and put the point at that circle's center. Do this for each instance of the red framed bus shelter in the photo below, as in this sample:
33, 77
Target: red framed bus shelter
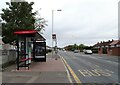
26, 46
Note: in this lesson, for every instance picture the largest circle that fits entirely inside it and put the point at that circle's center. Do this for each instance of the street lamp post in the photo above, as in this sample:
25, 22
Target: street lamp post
53, 27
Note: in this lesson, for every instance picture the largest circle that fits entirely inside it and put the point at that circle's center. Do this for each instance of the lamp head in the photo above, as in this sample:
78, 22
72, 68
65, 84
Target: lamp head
59, 10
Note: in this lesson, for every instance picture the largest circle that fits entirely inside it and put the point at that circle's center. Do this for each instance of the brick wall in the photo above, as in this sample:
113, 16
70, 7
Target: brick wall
115, 51
100, 50
109, 51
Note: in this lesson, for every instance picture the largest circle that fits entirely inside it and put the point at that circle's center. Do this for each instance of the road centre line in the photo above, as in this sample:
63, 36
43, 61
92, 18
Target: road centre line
109, 71
101, 58
72, 72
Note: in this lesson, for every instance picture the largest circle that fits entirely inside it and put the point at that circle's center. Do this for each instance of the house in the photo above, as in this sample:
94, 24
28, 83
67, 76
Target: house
103, 47
109, 47
115, 48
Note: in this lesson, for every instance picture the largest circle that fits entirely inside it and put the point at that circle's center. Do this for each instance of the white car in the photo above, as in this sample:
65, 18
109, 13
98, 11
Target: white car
88, 51
76, 51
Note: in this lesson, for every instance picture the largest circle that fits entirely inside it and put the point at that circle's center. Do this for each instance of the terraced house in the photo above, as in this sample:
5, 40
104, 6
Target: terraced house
109, 47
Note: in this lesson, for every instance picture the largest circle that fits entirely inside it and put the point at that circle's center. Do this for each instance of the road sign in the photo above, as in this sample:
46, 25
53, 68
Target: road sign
53, 36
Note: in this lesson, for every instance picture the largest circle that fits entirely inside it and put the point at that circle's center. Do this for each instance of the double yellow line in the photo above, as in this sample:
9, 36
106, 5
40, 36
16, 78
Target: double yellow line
72, 72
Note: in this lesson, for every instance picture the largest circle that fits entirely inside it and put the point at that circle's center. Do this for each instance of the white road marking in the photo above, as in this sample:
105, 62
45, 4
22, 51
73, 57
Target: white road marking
109, 71
97, 66
68, 74
93, 72
111, 62
72, 72
85, 55
1, 78
32, 79
85, 73
101, 58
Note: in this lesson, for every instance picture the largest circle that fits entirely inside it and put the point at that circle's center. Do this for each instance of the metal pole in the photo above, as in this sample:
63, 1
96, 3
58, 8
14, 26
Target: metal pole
52, 29
52, 20
17, 60
119, 33
56, 46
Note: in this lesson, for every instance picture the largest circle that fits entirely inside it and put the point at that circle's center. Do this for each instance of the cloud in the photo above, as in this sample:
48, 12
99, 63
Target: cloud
80, 21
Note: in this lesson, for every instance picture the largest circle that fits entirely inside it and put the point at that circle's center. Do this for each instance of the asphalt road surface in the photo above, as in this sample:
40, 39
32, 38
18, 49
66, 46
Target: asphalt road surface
92, 68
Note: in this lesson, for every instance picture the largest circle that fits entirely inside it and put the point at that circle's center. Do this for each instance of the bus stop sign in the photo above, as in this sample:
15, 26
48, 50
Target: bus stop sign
53, 36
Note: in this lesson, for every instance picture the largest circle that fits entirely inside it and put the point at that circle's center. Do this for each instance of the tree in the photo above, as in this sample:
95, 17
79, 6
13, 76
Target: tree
81, 47
69, 47
17, 17
40, 24
75, 46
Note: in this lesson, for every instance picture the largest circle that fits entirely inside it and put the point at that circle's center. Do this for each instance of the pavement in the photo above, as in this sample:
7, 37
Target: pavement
51, 71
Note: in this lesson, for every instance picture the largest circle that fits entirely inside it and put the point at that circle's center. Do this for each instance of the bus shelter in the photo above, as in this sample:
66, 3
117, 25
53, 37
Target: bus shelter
39, 48
29, 47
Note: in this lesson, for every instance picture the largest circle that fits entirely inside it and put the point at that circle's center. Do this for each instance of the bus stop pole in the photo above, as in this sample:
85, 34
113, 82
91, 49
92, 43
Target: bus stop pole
17, 60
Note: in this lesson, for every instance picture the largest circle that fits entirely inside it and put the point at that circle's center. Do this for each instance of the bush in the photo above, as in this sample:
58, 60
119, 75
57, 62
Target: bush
94, 50
48, 50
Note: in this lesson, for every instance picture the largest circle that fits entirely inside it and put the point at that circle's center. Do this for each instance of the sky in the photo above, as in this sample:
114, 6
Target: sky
80, 21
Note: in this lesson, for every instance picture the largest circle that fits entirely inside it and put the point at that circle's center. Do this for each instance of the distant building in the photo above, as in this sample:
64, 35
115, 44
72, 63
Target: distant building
109, 47
115, 48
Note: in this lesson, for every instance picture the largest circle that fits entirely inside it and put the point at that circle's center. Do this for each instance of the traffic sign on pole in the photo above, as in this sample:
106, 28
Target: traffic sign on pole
53, 36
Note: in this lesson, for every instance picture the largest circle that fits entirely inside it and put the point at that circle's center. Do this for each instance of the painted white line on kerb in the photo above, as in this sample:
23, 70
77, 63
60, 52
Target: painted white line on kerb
72, 73
1, 78
68, 74
32, 79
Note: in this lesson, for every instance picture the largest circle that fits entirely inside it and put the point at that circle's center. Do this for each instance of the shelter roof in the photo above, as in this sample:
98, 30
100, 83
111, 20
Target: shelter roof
23, 32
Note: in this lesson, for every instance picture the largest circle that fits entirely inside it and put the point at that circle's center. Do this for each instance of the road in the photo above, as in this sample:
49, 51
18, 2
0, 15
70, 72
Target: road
92, 68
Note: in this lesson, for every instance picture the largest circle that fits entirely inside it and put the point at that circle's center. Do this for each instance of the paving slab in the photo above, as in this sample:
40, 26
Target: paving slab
51, 71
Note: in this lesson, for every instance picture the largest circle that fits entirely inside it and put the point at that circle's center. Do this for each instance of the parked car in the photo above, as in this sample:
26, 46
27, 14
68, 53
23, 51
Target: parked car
76, 51
88, 51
